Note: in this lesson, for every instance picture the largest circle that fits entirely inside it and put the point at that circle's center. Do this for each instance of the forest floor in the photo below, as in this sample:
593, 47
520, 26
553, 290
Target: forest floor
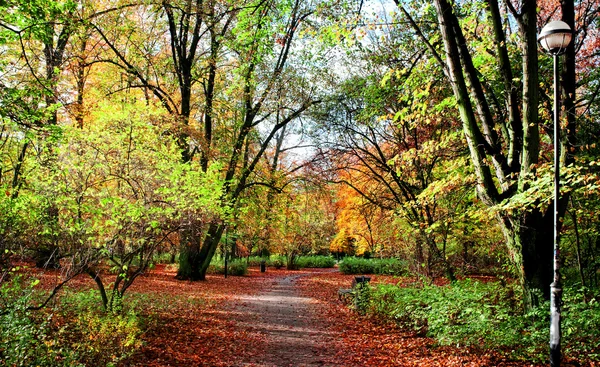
278, 318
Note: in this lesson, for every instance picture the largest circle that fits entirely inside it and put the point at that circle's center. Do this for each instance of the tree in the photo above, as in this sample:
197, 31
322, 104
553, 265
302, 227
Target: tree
265, 76
232, 77
390, 137
490, 57
40, 31
119, 190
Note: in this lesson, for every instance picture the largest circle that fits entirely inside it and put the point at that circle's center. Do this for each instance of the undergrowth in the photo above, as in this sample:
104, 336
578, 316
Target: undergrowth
315, 262
489, 316
73, 331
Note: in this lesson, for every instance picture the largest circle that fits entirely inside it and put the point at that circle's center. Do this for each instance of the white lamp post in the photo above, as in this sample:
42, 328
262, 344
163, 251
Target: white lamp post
554, 38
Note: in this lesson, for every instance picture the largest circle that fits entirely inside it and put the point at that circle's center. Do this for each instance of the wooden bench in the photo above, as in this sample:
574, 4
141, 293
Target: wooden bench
346, 295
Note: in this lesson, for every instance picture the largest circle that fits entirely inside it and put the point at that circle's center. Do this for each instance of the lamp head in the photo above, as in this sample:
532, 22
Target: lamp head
555, 37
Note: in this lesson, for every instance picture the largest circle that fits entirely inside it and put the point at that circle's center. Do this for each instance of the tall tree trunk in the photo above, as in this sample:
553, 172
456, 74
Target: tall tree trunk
48, 254
530, 242
529, 235
209, 246
189, 254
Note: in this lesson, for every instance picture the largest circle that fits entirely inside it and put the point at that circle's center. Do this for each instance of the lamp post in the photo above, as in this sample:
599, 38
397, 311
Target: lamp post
225, 252
554, 38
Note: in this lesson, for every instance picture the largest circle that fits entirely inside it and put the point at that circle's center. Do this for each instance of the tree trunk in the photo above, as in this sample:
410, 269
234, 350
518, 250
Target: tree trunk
530, 242
189, 253
209, 246
195, 259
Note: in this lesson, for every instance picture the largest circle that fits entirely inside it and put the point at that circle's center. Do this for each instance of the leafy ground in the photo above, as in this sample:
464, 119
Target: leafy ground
277, 318
368, 342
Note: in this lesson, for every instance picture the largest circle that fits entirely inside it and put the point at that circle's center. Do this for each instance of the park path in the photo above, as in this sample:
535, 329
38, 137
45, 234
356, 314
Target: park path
294, 332
278, 319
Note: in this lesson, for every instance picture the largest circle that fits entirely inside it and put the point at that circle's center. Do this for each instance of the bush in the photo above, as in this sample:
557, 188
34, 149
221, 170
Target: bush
276, 262
237, 267
356, 265
581, 322
273, 261
315, 262
76, 332
362, 298
463, 313
488, 315
255, 260
24, 335
98, 338
390, 267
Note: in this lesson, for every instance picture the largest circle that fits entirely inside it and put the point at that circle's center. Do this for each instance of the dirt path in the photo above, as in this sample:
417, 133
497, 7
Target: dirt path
279, 319
293, 333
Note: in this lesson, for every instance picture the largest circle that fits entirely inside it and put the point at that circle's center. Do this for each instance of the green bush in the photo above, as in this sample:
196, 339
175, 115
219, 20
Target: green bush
488, 315
356, 265
276, 262
25, 338
315, 262
390, 267
255, 260
580, 325
362, 298
75, 332
98, 338
164, 258
463, 313
273, 261
237, 267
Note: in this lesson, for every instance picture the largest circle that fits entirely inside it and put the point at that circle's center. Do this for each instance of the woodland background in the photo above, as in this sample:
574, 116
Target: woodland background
204, 131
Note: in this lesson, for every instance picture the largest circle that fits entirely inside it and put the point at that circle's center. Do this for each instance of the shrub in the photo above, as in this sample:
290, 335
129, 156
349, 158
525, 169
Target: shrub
390, 267
488, 315
97, 337
315, 262
276, 262
164, 258
75, 333
237, 267
463, 313
216, 269
581, 322
255, 260
24, 335
362, 298
356, 265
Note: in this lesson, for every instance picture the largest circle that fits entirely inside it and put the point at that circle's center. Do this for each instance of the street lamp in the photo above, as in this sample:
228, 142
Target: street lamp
554, 38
